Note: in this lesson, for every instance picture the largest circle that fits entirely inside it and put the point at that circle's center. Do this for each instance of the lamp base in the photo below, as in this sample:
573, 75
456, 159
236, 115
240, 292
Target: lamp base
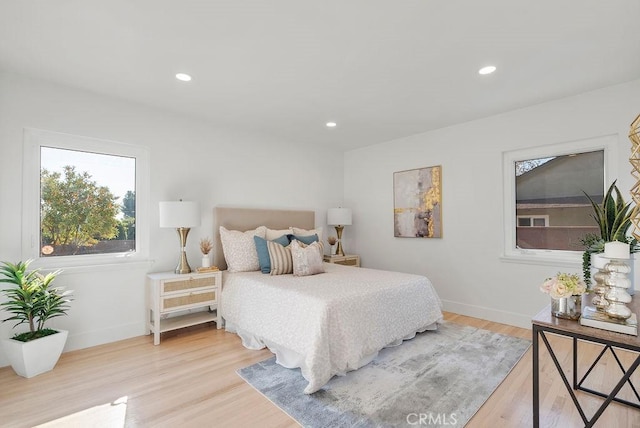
183, 265
339, 250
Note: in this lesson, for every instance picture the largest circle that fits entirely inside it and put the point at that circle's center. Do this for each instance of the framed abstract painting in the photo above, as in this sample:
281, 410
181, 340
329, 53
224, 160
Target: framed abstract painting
417, 203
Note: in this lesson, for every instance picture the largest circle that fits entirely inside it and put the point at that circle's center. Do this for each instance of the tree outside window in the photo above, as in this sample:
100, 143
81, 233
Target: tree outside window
87, 203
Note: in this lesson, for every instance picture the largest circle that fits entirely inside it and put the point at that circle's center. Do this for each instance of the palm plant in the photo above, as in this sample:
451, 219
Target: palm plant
32, 300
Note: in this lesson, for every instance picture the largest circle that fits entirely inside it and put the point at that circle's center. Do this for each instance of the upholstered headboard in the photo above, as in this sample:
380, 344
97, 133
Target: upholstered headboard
250, 218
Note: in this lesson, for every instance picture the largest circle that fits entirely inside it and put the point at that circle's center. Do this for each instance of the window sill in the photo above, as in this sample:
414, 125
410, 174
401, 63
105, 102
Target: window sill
114, 264
547, 258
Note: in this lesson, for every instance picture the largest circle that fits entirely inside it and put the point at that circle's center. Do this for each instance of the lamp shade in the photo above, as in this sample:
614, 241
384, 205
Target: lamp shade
179, 214
339, 216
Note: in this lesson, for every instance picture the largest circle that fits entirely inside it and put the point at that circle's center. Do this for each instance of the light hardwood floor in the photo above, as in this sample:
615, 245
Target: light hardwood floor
189, 380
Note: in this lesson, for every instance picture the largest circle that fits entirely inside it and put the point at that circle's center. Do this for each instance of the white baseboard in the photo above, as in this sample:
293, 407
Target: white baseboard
99, 337
112, 334
503, 317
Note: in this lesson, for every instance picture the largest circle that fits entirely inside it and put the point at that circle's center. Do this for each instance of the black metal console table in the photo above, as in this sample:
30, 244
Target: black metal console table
544, 323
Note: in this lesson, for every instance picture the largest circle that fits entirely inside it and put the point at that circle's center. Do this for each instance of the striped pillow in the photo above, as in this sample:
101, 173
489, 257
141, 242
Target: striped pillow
281, 261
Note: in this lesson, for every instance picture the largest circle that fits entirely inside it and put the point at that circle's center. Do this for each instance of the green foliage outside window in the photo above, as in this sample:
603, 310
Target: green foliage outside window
127, 225
75, 211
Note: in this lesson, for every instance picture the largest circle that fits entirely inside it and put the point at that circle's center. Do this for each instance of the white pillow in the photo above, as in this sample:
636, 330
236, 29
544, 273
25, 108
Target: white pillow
305, 232
307, 260
239, 249
275, 233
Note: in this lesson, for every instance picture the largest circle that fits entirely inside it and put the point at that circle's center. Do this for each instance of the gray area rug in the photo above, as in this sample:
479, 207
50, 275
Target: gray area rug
439, 378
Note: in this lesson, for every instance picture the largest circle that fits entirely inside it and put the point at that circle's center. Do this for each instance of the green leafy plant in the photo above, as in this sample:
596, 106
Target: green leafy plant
613, 217
32, 300
593, 244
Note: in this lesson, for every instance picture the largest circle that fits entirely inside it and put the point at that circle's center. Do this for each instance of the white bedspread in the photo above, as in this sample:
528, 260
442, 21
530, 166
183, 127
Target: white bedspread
330, 323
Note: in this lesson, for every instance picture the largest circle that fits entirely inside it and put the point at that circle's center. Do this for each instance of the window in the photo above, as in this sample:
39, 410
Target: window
533, 220
546, 210
83, 199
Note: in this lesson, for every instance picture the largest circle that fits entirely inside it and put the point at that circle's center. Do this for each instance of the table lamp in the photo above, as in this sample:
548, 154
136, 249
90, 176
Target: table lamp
181, 215
339, 217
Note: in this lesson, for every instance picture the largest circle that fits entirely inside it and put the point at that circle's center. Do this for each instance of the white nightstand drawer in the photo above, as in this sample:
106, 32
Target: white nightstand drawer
185, 301
346, 260
189, 284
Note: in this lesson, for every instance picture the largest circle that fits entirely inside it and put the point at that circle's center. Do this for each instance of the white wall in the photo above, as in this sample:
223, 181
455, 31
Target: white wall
194, 159
465, 265
189, 159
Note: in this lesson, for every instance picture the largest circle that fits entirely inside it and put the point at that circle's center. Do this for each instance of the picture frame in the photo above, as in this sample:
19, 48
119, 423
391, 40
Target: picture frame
417, 203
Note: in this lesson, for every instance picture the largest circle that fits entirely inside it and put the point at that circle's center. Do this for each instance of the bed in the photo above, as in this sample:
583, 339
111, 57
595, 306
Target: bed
325, 324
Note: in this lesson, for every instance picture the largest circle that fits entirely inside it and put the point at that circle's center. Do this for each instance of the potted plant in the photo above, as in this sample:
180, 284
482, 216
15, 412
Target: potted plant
33, 300
205, 248
332, 241
613, 217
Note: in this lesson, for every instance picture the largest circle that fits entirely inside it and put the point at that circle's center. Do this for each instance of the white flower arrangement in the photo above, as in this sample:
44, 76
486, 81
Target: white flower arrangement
563, 285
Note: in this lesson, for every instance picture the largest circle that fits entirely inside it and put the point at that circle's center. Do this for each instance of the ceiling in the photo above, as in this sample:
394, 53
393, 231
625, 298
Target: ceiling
381, 69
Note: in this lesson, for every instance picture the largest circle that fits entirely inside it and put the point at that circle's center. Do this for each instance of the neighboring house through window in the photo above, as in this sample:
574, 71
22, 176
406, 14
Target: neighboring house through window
546, 210
552, 193
533, 221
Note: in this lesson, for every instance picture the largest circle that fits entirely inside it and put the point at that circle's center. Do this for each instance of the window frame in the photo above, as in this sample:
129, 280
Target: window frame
607, 143
34, 140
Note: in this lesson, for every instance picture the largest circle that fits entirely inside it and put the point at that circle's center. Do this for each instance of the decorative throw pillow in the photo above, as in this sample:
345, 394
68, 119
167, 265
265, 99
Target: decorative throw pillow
307, 260
306, 240
304, 232
280, 257
240, 250
276, 233
263, 252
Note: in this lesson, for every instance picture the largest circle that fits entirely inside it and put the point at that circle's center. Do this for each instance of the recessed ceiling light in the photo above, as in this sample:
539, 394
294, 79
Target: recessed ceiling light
184, 77
487, 70
331, 124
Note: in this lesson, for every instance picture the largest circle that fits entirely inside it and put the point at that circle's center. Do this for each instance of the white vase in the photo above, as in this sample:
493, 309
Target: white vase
206, 262
37, 356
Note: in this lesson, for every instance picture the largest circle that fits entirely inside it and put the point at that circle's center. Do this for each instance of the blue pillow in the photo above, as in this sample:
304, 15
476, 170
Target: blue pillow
263, 252
304, 239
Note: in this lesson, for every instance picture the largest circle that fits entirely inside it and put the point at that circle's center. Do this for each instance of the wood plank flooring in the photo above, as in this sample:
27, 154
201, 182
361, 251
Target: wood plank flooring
189, 380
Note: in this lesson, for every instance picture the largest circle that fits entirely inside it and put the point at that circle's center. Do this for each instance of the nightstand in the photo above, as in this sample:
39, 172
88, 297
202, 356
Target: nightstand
347, 260
174, 294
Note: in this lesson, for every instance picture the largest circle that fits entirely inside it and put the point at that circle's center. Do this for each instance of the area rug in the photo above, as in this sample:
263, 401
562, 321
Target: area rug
439, 378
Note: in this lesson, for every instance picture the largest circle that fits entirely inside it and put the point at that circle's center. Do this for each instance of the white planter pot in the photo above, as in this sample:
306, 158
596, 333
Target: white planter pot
31, 358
